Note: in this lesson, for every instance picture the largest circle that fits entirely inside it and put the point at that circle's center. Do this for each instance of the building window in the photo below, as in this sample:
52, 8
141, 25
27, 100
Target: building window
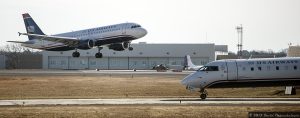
277, 67
295, 67
259, 68
252, 69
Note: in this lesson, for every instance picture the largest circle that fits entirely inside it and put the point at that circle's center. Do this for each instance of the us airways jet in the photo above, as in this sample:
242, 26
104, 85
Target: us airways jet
236, 73
117, 37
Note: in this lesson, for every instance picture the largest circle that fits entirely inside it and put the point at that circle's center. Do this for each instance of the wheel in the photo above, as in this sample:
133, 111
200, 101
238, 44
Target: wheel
130, 48
98, 55
75, 54
203, 96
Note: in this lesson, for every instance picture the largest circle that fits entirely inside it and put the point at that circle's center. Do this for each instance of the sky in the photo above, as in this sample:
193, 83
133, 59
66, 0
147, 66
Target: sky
268, 24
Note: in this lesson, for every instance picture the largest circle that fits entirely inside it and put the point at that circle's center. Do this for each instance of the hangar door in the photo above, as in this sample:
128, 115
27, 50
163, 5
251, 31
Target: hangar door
153, 61
138, 63
118, 63
57, 62
99, 63
78, 63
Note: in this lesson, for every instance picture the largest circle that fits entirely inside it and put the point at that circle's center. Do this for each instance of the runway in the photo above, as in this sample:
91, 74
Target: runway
154, 101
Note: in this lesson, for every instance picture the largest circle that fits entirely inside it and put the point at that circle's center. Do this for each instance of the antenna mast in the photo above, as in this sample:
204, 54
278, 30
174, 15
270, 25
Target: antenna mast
240, 41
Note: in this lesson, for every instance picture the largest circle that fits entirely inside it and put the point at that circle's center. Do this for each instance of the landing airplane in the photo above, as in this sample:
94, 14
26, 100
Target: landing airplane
117, 37
237, 73
188, 64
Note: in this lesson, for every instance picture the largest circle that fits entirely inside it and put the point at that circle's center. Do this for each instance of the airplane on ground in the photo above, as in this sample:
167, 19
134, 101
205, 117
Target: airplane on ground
188, 64
235, 73
117, 37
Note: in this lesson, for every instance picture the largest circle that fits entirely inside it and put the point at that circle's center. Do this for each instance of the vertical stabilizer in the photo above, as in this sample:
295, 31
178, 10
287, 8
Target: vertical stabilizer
31, 26
188, 62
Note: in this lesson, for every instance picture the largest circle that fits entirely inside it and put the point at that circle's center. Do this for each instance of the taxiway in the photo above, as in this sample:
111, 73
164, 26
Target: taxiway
154, 101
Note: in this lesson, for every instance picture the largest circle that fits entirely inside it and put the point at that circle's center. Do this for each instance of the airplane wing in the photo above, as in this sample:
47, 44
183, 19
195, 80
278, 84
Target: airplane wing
65, 40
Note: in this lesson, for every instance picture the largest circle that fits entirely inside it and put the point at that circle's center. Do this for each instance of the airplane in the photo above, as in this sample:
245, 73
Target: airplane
117, 37
188, 64
236, 73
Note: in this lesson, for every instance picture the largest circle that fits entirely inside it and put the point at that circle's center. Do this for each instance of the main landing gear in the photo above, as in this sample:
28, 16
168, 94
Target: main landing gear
130, 48
203, 94
98, 54
76, 54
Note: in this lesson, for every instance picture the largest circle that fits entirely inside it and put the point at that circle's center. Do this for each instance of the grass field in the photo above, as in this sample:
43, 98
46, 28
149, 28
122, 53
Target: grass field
124, 86
115, 86
140, 111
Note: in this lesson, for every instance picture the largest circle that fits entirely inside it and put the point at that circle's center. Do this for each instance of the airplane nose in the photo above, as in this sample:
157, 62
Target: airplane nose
144, 32
186, 80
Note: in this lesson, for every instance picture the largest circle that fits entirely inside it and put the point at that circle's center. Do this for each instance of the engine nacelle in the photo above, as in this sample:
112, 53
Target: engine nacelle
86, 44
119, 46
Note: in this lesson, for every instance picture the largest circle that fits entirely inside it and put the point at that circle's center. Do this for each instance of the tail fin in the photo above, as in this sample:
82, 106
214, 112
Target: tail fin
31, 26
188, 62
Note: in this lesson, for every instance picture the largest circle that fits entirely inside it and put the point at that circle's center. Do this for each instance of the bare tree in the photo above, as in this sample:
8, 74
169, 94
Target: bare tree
14, 53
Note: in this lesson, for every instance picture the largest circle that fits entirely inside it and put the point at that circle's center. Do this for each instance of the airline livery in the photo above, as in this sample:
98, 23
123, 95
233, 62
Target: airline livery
117, 37
245, 73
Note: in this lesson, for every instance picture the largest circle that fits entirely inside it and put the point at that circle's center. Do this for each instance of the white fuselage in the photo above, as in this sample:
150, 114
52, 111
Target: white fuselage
246, 73
106, 33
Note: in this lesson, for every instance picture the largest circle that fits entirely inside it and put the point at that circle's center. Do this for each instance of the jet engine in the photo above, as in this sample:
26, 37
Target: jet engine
119, 46
86, 44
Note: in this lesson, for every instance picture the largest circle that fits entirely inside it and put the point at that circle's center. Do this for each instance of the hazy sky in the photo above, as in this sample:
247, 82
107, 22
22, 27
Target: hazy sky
268, 24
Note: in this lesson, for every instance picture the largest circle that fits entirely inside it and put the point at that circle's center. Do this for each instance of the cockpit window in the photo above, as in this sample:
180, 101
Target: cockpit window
209, 68
135, 26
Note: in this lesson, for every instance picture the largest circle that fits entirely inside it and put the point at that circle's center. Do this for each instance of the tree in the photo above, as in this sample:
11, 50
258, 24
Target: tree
14, 53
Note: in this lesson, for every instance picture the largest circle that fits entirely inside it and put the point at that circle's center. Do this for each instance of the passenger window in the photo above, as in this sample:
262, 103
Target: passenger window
268, 68
295, 67
244, 68
286, 68
277, 67
259, 68
252, 69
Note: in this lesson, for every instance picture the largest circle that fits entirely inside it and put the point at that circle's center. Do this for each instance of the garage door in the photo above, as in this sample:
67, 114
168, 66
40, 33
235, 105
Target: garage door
99, 63
57, 62
118, 63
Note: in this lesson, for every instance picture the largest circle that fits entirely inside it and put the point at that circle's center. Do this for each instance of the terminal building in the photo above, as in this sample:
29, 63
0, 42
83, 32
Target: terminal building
143, 56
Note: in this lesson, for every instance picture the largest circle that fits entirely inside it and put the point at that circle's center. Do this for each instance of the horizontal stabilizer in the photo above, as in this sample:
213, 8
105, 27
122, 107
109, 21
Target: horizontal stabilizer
20, 42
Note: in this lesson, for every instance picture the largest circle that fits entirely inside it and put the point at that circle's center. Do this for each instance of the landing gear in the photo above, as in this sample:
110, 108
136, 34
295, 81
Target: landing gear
203, 94
99, 54
130, 48
76, 54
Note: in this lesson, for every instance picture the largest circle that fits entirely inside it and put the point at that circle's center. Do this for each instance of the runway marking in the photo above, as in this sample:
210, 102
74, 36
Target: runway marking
152, 101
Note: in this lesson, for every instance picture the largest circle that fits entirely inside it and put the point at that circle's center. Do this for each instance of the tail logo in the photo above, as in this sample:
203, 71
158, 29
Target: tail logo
30, 29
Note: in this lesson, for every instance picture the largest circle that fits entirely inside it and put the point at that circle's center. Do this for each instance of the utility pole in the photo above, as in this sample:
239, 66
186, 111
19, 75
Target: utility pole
240, 41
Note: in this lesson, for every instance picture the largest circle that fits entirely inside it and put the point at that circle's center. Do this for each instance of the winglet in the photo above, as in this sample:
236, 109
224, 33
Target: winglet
19, 33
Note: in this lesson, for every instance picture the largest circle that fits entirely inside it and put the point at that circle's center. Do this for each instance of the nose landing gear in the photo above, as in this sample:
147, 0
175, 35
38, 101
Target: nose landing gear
203, 94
